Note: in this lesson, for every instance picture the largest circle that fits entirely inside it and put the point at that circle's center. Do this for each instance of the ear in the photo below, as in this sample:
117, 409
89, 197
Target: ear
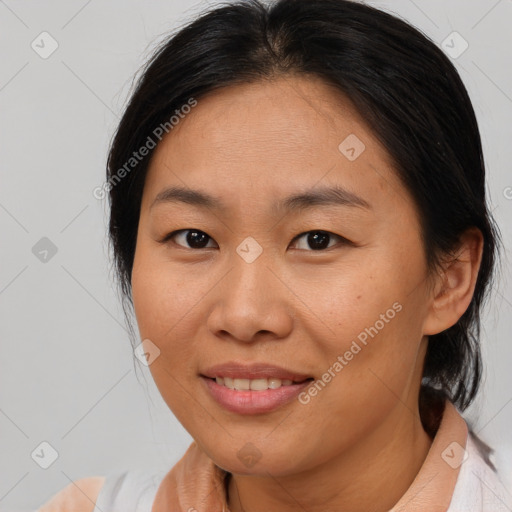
455, 284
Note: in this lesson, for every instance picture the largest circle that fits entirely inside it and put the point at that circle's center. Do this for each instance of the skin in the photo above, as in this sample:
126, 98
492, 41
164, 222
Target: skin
251, 145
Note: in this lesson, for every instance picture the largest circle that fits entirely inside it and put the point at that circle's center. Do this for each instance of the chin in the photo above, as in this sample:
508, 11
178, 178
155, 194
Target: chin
254, 461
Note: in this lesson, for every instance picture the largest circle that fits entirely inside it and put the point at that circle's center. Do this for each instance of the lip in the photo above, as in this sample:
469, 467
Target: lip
252, 402
236, 370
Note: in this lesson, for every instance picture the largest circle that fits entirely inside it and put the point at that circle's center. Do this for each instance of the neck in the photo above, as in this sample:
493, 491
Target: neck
371, 476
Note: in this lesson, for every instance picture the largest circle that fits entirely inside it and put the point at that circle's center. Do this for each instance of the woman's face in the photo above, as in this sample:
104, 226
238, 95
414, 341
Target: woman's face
330, 287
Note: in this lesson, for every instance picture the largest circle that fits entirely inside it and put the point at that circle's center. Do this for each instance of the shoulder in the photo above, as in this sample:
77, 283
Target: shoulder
79, 496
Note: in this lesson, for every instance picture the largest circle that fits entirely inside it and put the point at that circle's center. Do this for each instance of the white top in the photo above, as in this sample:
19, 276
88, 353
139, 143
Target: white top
478, 488
129, 491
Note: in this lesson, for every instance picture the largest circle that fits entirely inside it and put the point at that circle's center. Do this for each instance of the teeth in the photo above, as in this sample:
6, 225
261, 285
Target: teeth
242, 384
258, 384
274, 383
252, 384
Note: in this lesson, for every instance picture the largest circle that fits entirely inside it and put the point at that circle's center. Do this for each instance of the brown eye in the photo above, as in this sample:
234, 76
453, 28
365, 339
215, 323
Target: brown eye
318, 240
189, 238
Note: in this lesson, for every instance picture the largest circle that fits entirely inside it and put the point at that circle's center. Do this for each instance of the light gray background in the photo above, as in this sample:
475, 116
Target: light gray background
67, 371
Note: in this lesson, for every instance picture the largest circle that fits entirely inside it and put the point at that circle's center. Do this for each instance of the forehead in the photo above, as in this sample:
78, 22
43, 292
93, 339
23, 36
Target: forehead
289, 114
266, 138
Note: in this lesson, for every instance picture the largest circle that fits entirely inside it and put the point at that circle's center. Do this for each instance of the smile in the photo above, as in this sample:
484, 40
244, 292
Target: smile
247, 400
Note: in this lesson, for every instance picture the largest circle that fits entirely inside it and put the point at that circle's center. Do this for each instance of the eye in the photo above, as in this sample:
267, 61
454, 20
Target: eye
195, 238
319, 240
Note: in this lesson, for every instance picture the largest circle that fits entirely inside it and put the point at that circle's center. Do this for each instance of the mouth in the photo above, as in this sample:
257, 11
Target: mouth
253, 396
252, 388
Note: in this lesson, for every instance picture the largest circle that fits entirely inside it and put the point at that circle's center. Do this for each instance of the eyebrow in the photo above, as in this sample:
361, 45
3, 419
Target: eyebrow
319, 196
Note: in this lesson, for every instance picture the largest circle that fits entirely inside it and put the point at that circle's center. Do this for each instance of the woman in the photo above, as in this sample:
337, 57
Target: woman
298, 217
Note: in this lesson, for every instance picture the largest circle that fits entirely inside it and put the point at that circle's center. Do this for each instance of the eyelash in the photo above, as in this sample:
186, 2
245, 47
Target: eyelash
342, 240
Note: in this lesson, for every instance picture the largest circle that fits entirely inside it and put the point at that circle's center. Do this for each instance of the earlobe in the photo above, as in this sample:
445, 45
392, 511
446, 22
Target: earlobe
456, 284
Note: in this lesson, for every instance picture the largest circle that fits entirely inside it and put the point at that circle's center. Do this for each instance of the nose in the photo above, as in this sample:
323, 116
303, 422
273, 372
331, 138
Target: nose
251, 303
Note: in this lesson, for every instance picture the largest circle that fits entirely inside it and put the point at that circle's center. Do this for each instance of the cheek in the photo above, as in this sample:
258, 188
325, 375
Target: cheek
381, 362
367, 325
163, 308
169, 304
342, 302
161, 294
